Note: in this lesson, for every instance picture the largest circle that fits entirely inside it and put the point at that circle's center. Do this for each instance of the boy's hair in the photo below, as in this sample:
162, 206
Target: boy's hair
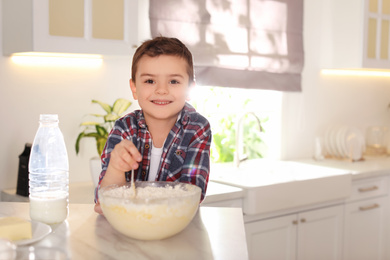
163, 46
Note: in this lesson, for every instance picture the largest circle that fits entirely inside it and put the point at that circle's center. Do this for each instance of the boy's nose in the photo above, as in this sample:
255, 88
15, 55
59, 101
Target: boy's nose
162, 88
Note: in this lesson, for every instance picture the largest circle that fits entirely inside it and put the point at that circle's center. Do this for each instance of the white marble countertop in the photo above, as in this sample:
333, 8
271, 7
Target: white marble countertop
83, 192
214, 233
219, 192
367, 168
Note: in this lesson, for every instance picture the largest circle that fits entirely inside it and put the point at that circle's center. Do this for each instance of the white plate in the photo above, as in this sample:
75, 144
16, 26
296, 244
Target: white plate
341, 141
336, 141
39, 231
332, 141
326, 142
354, 143
329, 142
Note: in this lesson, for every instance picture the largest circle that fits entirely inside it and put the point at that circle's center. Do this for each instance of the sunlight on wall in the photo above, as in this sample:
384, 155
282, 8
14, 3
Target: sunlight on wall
57, 59
356, 72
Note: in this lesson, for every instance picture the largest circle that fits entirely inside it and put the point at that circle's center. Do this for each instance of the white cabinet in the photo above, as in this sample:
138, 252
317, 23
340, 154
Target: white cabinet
320, 234
69, 26
356, 34
366, 225
273, 238
315, 234
365, 229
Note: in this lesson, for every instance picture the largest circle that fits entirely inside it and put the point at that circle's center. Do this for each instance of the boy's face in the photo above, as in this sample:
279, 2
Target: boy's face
161, 86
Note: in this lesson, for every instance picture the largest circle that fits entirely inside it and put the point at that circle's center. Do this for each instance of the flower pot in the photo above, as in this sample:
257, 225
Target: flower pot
95, 167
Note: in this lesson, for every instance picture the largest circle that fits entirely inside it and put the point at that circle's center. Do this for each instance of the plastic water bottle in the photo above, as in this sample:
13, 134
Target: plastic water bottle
48, 173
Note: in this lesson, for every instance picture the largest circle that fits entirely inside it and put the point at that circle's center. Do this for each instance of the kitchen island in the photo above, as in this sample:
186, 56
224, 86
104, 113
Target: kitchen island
214, 233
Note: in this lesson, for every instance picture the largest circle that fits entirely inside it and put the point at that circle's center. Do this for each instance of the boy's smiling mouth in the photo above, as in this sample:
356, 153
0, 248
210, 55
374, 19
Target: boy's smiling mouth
161, 102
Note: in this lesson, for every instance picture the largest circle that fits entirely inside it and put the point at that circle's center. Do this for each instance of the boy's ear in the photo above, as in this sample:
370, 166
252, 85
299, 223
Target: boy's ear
133, 89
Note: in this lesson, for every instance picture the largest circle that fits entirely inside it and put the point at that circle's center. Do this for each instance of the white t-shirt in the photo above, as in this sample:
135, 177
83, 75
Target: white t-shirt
154, 162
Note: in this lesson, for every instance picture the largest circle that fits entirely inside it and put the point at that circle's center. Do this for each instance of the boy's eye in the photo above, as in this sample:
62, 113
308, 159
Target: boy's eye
149, 81
174, 81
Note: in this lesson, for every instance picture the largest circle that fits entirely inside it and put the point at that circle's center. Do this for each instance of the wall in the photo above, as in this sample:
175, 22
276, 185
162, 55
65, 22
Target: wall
328, 100
25, 92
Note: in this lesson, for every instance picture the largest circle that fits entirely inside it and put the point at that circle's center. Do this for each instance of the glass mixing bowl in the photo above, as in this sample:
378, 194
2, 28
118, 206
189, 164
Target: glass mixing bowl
159, 209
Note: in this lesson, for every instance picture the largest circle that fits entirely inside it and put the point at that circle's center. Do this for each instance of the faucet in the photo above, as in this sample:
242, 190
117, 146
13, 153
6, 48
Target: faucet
239, 144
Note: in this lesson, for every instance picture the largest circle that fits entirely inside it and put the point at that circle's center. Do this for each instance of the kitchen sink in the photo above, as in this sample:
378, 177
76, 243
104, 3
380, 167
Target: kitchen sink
277, 185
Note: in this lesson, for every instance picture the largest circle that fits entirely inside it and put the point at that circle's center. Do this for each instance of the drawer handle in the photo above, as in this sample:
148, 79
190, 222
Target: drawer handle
374, 206
368, 188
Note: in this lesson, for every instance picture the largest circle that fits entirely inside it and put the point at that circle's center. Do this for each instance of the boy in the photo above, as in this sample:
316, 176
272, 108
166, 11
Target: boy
167, 140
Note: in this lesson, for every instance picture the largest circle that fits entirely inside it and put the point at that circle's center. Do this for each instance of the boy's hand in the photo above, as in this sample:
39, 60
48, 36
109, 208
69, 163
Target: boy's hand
125, 157
98, 209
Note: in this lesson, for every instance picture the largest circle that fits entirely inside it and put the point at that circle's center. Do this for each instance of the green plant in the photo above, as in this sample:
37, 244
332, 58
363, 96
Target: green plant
100, 130
224, 124
224, 139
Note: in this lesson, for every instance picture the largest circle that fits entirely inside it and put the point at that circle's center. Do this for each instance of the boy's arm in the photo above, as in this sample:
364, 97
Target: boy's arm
119, 156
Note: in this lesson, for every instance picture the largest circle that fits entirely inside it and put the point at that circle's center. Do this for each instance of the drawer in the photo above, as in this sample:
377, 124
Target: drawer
368, 188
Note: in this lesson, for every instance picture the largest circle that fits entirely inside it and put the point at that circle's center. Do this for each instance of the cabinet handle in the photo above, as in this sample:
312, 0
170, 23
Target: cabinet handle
295, 222
374, 206
303, 220
368, 188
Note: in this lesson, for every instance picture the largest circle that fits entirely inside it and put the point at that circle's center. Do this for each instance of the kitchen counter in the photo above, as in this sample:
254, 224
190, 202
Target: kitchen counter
83, 192
214, 233
219, 192
369, 167
79, 192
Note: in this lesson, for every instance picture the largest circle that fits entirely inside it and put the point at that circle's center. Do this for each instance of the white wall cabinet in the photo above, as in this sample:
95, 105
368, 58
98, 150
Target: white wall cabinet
69, 26
362, 40
315, 234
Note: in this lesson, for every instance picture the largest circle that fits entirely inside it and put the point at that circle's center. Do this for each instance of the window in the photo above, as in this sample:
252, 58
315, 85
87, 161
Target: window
223, 107
254, 44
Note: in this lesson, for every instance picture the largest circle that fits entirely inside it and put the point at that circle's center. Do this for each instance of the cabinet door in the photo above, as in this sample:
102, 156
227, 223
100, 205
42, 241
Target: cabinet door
376, 34
49, 40
273, 239
365, 229
78, 26
320, 234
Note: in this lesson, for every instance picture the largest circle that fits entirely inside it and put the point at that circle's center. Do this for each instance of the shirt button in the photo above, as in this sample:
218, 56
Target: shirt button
143, 173
178, 152
147, 146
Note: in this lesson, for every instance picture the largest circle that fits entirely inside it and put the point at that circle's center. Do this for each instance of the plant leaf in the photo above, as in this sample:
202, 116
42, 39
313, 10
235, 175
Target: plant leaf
120, 105
94, 135
97, 115
110, 118
100, 143
101, 131
77, 145
90, 123
105, 106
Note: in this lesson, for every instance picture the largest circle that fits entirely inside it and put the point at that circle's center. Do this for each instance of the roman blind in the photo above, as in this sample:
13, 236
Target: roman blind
237, 43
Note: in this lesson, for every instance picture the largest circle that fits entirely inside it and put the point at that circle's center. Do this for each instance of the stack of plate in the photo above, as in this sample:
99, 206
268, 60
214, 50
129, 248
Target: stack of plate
344, 142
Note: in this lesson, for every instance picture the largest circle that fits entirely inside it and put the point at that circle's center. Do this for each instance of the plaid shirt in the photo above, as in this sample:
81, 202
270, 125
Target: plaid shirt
186, 151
